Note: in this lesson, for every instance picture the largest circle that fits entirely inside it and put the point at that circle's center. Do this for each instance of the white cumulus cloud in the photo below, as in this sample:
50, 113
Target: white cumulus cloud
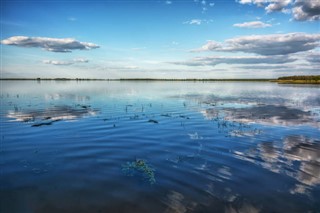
302, 10
306, 10
269, 5
277, 5
272, 44
49, 44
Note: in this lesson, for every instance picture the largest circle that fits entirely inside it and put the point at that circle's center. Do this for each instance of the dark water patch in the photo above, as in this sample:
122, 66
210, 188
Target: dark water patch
46, 123
166, 115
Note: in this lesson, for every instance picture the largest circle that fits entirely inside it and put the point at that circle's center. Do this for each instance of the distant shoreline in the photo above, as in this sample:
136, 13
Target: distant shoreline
281, 80
125, 79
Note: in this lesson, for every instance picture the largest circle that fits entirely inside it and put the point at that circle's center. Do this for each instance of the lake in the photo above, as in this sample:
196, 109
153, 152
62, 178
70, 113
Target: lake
138, 146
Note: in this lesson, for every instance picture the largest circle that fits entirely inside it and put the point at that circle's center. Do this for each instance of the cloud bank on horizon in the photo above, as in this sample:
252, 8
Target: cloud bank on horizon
215, 60
261, 39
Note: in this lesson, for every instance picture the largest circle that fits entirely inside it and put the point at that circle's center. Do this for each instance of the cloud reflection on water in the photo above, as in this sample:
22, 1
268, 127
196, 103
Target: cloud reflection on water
243, 208
297, 156
59, 96
307, 152
175, 203
52, 114
255, 105
264, 114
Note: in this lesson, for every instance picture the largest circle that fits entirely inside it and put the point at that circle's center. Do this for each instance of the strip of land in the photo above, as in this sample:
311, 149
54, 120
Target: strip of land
313, 79
302, 79
129, 79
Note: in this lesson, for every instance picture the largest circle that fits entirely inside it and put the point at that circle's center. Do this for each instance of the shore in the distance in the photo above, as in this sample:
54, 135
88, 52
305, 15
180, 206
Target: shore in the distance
314, 79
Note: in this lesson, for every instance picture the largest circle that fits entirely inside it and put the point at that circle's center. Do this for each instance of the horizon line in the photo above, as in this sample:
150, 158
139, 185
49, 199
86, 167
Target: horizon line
142, 79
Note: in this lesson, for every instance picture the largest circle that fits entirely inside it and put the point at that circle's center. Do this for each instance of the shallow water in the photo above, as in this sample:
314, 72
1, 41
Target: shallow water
99, 146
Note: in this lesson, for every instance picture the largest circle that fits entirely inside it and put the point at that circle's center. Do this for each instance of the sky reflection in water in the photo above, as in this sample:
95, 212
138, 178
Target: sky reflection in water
184, 146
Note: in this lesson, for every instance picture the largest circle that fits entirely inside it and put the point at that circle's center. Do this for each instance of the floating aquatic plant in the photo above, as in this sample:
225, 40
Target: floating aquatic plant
139, 166
153, 121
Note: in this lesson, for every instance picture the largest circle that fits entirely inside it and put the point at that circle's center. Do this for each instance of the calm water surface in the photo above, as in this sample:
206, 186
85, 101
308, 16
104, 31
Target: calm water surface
230, 147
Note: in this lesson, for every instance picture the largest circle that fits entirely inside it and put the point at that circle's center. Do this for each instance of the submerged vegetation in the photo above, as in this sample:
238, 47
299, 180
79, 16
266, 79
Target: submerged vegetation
139, 166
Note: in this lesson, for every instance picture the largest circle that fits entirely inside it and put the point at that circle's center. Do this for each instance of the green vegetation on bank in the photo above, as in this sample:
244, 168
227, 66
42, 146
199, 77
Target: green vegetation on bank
299, 79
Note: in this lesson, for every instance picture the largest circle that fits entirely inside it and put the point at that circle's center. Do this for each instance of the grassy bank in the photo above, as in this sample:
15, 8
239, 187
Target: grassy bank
310, 79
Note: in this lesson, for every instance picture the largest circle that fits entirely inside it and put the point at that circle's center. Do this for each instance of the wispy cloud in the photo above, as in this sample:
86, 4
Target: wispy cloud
81, 60
63, 45
263, 67
205, 5
252, 24
72, 19
193, 21
168, 2
272, 44
54, 62
66, 63
313, 57
198, 21
11, 23
138, 48
131, 67
215, 60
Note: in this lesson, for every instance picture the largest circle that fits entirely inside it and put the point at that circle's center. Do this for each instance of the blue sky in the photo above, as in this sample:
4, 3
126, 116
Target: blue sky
160, 39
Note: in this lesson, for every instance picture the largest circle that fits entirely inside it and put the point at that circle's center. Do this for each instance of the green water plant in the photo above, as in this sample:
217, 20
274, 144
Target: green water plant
139, 166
